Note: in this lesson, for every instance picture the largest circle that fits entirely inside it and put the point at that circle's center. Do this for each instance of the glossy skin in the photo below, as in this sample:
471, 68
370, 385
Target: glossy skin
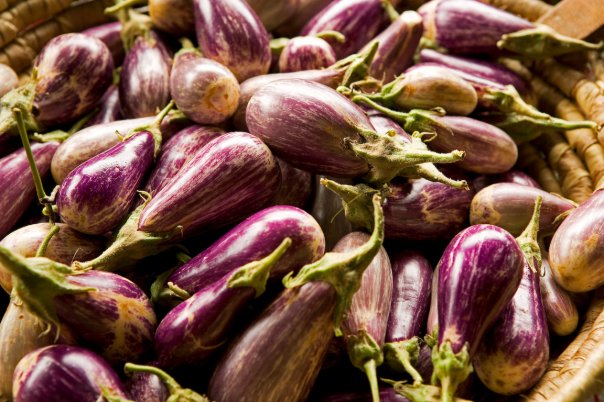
109, 108
508, 205
64, 374
66, 246
173, 16
251, 240
422, 210
144, 85
204, 90
306, 53
412, 279
463, 27
230, 32
296, 186
97, 195
235, 176
512, 176
8, 79
470, 294
576, 253
560, 309
432, 323
17, 188
109, 34
274, 13
305, 124
147, 387
383, 124
278, 357
514, 354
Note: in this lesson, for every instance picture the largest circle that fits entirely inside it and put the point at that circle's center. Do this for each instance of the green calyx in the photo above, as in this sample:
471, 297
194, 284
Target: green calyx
356, 66
21, 98
421, 392
61, 135
401, 356
365, 354
335, 35
108, 396
154, 128
134, 24
277, 45
343, 271
256, 273
177, 393
527, 241
450, 369
390, 10
543, 42
123, 4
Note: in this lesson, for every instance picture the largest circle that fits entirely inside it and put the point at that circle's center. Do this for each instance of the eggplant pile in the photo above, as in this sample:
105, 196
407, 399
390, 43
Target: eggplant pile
285, 201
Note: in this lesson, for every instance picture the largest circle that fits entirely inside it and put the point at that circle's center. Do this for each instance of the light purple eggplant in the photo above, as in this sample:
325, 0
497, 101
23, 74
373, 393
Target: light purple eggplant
66, 374
109, 34
508, 205
107, 312
274, 13
364, 328
64, 247
412, 279
147, 387
249, 241
144, 85
173, 16
8, 79
296, 186
386, 395
109, 108
326, 208
560, 309
306, 53
202, 324
203, 89
512, 176
17, 188
173, 390
96, 196
230, 32
307, 9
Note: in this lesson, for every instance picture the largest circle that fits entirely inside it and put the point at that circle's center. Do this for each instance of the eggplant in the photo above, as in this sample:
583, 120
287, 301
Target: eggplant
109, 108
66, 374
307, 9
203, 89
386, 395
412, 279
364, 328
576, 250
64, 247
173, 16
17, 184
507, 205
144, 85
107, 312
326, 208
173, 390
560, 309
201, 324
147, 387
512, 176
230, 32
8, 79
432, 323
306, 53
249, 241
296, 186
109, 34
274, 13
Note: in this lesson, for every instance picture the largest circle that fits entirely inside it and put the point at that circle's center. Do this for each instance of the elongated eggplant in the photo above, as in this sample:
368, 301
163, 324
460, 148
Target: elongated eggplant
173, 16
17, 183
230, 32
203, 89
173, 390
560, 309
512, 176
8, 79
109, 108
107, 312
296, 186
201, 324
109, 34
66, 374
306, 53
249, 241
147, 387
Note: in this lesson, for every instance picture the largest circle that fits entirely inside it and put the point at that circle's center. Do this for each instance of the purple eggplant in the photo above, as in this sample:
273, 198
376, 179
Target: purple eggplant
203, 89
560, 309
432, 323
307, 9
173, 16
512, 176
64, 247
107, 312
306, 53
109, 34
173, 390
201, 324
109, 108
17, 188
386, 395
249, 241
230, 32
412, 278
326, 208
364, 327
8, 79
66, 374
146, 387
274, 13
508, 205
144, 85
296, 186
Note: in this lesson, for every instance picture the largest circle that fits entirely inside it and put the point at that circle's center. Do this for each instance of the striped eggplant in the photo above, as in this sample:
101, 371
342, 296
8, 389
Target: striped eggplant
109, 108
560, 309
230, 32
64, 247
508, 205
203, 89
63, 373
172, 390
475, 27
147, 387
296, 186
173, 16
274, 13
105, 311
306, 53
512, 176
17, 188
432, 323
326, 208
109, 34
8, 79
364, 328
249, 241
202, 323
412, 278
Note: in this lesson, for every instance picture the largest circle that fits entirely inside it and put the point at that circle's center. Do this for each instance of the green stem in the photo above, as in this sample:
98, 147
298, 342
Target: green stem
155, 127
450, 369
337, 36
390, 10
186, 43
528, 239
44, 245
399, 356
370, 371
401, 117
120, 5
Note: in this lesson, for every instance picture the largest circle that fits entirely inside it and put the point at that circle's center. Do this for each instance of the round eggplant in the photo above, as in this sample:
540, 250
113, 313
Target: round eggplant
306, 53
109, 34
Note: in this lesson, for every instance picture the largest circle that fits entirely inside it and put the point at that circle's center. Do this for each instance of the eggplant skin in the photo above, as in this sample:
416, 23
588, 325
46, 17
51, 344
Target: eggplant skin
560, 309
306, 53
62, 373
147, 387
109, 34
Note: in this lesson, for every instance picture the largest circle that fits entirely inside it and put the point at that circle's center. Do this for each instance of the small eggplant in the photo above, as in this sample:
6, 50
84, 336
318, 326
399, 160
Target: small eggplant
274, 13
203, 89
146, 387
173, 16
62, 373
249, 241
560, 309
17, 184
507, 205
326, 208
296, 186
512, 176
230, 32
172, 390
109, 108
8, 79
109, 34
306, 53
107, 312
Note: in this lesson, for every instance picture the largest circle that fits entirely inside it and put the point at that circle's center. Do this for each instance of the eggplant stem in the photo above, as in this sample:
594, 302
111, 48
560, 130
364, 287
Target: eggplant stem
400, 353
337, 36
370, 371
120, 5
44, 245
398, 116
178, 291
166, 378
528, 239
154, 128
390, 10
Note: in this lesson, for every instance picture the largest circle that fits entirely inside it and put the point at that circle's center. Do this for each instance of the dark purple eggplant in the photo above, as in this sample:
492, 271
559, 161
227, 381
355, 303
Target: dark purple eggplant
17, 188
65, 374
508, 205
144, 85
512, 176
146, 387
274, 13
306, 53
326, 208
203, 89
412, 278
109, 108
109, 34
230, 32
8, 79
249, 241
173, 16
364, 328
201, 324
296, 186
386, 395
107, 312
560, 309
169, 386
